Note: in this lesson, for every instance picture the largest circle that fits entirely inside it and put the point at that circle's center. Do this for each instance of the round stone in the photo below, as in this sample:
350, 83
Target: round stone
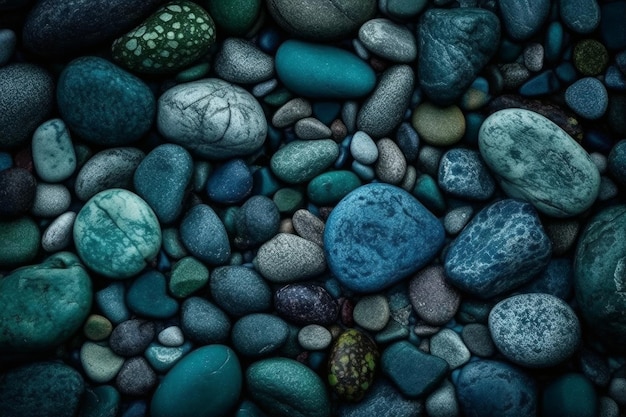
439, 126
588, 98
97, 328
306, 304
434, 300
51, 200
259, 334
289, 258
20, 240
117, 234
314, 337
204, 235
371, 312
590, 57
235, 16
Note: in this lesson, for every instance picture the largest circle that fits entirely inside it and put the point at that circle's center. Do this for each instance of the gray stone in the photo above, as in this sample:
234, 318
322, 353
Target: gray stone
382, 400
314, 337
372, 312
607, 407
99, 362
132, 337
58, 235
523, 18
580, 16
433, 299
588, 98
289, 258
388, 40
456, 219
203, 322
259, 334
442, 402
136, 377
514, 75
291, 112
240, 61
51, 200
448, 345
391, 164
311, 128
477, 338
363, 148
533, 57
240, 290
171, 336
54, 158
308, 226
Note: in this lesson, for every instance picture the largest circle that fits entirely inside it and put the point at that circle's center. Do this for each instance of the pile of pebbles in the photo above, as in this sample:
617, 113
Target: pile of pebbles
310, 208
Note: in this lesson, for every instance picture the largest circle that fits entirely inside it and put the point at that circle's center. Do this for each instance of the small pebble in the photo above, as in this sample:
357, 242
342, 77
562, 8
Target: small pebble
132, 337
58, 235
136, 377
171, 336
372, 312
448, 345
97, 328
291, 112
314, 337
439, 126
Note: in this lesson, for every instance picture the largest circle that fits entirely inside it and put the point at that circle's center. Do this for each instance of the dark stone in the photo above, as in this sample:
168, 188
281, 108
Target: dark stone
306, 304
132, 337
230, 183
240, 290
17, 191
523, 18
136, 377
257, 221
382, 400
203, 322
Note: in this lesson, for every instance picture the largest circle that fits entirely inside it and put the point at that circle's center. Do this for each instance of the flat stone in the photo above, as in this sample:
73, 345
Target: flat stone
289, 258
588, 98
54, 158
240, 61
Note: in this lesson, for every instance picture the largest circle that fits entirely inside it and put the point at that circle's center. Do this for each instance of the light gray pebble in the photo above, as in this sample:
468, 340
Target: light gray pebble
136, 377
240, 61
608, 189
372, 312
533, 57
434, 300
448, 345
292, 111
607, 407
171, 336
51, 200
514, 75
477, 338
388, 40
600, 161
410, 178
456, 219
349, 113
289, 258
8, 41
54, 157
363, 148
264, 88
311, 128
428, 160
391, 164
442, 402
360, 49
58, 235
314, 337
308, 226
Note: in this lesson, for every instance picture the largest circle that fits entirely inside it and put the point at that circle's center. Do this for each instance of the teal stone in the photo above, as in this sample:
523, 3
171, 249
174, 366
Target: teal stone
300, 161
205, 383
172, 38
163, 358
103, 104
117, 234
286, 388
249, 409
101, 401
570, 395
234, 16
330, 187
148, 297
599, 278
187, 276
428, 193
41, 389
54, 157
321, 71
259, 334
19, 240
43, 305
535, 160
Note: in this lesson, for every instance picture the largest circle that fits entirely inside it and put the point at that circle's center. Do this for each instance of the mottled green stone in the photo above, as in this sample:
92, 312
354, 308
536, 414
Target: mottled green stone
300, 160
19, 240
43, 305
172, 38
235, 16
330, 187
288, 200
590, 57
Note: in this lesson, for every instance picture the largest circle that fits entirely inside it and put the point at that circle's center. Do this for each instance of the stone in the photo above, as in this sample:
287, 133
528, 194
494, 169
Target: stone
434, 300
468, 37
289, 165
203, 322
391, 165
239, 290
363, 148
111, 301
8, 42
448, 345
314, 337
382, 400
438, 126
308, 226
231, 119
311, 128
187, 276
388, 40
259, 334
320, 20
534, 160
291, 112
163, 358
204, 235
54, 158
329, 188
503, 247
588, 98
371, 244
116, 234
256, 222
570, 394
590, 57
240, 61
371, 312
26, 100
132, 337
171, 38
321, 71
102, 103
289, 258
18, 188
610, 31
214, 369
32, 318
463, 174
456, 219
171, 337
99, 362
97, 328
100, 401
523, 19
136, 377
478, 340
580, 16
284, 388
230, 183
20, 239
352, 364
51, 200
556, 279
147, 296
305, 304
235, 17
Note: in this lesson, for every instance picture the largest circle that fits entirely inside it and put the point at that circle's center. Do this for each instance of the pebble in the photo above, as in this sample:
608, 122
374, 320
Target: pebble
363, 148
382, 400
477, 339
283, 387
20, 239
580, 16
291, 112
588, 98
556, 279
203, 322
391, 165
290, 165
259, 334
54, 157
235, 17
101, 401
171, 336
213, 368
607, 407
438, 126
136, 377
147, 296
463, 174
18, 190
289, 258
388, 40
610, 31
111, 301
370, 249
204, 235
448, 345
231, 120
305, 304
314, 337
533, 159
590, 57
570, 394
442, 402
132, 337
240, 61
100, 363
24, 329
239, 290
434, 300
311, 128
456, 219
308, 226
372, 312
187, 276
384, 109
522, 19
329, 188
475, 262
535, 330
514, 75
97, 328
533, 57
162, 358
257, 221
51, 200
288, 200
102, 103
8, 41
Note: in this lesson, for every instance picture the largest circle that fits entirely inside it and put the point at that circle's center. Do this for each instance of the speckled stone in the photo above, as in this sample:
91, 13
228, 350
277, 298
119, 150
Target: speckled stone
259, 334
522, 19
311, 128
372, 312
456, 219
292, 111
8, 42
478, 340
132, 337
588, 98
97, 328
439, 126
136, 377
388, 40
448, 345
391, 165
590, 57
51, 200
289, 258
204, 235
54, 158
314, 337
240, 290
306, 304
203, 322
433, 299
240, 61
363, 148
463, 174
17, 192
382, 400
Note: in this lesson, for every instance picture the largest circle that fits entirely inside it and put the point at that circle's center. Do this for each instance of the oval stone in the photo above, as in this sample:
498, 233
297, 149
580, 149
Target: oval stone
321, 71
306, 304
54, 158
204, 235
259, 334
183, 392
43, 305
301, 160
378, 235
289, 258
212, 118
535, 160
117, 234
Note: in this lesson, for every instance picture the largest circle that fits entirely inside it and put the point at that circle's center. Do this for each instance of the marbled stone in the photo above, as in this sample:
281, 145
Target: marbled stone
463, 174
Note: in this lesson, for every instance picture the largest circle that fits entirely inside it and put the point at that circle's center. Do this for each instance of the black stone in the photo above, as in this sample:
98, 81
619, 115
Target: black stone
17, 191
306, 304
132, 337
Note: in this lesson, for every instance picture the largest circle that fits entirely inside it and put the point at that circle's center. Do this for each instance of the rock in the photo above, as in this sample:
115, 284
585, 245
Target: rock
433, 299
320, 20
259, 334
388, 40
147, 296
463, 174
8, 42
230, 183
495, 389
41, 389
173, 37
442, 402
26, 100
284, 388
522, 19
54, 158
291, 112
240, 61
371, 312
240, 290
352, 365
477, 339
290, 165
439, 126
456, 219
43, 305
100, 363
610, 31
384, 109
371, 243
51, 200
51, 25
570, 394
213, 369
136, 377
236, 17
163, 358
588, 98
391, 165
314, 337
534, 160
132, 337
556, 279
232, 121
321, 71
103, 104
503, 247
111, 301
468, 37
580, 16
101, 401
382, 400
448, 345
533, 57
187, 276
328, 188
311, 128
306, 304
256, 222
308, 226
18, 188
363, 148
171, 337
20, 239
204, 235
97, 328
203, 322
289, 258
116, 234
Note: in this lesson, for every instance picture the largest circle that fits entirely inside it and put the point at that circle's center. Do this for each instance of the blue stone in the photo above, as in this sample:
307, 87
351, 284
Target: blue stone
588, 98
6, 161
230, 183
580, 16
204, 235
147, 296
326, 111
523, 18
428, 193
379, 234
612, 28
553, 42
566, 72
463, 174
473, 121
503, 247
257, 221
541, 85
556, 279
111, 301
203, 322
265, 182
269, 40
259, 334
615, 79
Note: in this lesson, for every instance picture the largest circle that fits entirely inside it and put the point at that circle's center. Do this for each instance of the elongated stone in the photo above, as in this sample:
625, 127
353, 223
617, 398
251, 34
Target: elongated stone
301, 161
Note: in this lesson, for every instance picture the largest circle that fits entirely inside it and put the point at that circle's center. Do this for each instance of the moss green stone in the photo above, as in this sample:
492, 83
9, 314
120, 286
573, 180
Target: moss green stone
43, 305
235, 16
330, 187
97, 327
188, 276
19, 240
301, 160
117, 234
172, 38
590, 57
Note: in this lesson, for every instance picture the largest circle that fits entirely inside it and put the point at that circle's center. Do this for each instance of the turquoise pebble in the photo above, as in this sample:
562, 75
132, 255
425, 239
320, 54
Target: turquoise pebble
248, 409
240, 290
6, 161
20, 240
428, 193
230, 183
53, 152
541, 85
265, 182
553, 42
111, 301
473, 121
365, 172
566, 72
257, 221
147, 296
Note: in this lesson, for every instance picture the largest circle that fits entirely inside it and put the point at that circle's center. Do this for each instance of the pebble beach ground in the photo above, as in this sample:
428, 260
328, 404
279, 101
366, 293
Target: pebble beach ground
312, 208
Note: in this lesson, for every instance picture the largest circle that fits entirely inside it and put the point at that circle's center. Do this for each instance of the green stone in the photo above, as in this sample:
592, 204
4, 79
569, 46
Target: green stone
301, 160
570, 395
288, 200
193, 73
428, 193
117, 234
97, 327
278, 97
590, 57
101, 401
235, 16
99, 362
172, 38
352, 365
19, 240
205, 383
188, 276
286, 388
43, 305
330, 187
